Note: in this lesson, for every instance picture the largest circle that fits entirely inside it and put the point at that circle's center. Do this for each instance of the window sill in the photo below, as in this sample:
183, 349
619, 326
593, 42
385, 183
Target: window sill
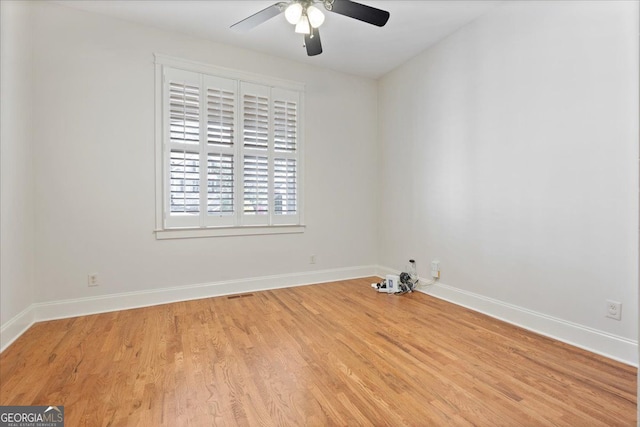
193, 233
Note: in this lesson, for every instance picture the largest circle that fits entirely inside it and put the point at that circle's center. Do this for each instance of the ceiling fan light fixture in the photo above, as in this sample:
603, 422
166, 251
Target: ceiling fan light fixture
302, 27
316, 17
293, 13
306, 17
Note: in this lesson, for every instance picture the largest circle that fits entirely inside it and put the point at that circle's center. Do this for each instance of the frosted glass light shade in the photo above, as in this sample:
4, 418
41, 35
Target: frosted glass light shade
303, 26
293, 13
316, 17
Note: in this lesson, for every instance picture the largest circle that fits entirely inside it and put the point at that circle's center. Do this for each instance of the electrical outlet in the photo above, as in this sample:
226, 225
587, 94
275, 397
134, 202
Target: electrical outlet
312, 259
614, 309
92, 279
435, 268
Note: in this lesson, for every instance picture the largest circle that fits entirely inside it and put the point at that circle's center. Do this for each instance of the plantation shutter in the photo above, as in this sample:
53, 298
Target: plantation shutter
256, 164
256, 182
220, 150
182, 111
230, 152
285, 123
255, 119
184, 182
285, 156
220, 183
286, 186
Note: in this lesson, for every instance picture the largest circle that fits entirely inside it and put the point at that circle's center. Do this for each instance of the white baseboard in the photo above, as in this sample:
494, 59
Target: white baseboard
612, 346
38, 312
16, 326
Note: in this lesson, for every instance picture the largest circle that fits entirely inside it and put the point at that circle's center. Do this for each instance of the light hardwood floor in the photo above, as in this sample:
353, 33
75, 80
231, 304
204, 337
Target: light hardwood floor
322, 355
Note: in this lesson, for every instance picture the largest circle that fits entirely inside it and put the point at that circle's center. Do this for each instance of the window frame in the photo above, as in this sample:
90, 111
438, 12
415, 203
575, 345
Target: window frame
242, 225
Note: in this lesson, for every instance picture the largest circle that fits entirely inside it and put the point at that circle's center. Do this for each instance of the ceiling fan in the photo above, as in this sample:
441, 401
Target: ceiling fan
307, 18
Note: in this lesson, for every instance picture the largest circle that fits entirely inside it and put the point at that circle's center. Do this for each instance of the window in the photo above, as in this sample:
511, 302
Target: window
228, 152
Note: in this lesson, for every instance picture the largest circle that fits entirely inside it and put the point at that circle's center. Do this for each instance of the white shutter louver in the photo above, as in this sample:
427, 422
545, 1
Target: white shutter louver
256, 185
220, 178
255, 121
184, 113
184, 182
286, 187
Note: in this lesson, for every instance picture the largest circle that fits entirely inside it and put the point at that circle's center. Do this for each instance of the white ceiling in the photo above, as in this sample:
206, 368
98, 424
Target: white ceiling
349, 45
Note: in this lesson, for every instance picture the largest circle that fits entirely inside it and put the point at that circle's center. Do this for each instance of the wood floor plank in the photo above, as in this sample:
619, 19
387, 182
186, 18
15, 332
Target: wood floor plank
330, 354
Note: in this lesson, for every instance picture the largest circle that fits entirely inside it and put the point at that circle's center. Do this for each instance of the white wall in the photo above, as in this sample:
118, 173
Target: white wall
94, 163
510, 152
16, 171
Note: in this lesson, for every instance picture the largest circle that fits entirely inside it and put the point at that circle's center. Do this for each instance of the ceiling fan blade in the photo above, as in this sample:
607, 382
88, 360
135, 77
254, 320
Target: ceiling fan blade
258, 18
361, 12
312, 42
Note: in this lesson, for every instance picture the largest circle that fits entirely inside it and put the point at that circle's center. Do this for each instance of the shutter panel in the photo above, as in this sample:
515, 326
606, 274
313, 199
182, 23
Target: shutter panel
182, 139
255, 121
286, 162
184, 182
220, 179
220, 117
285, 187
184, 113
220, 151
256, 166
285, 122
256, 185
